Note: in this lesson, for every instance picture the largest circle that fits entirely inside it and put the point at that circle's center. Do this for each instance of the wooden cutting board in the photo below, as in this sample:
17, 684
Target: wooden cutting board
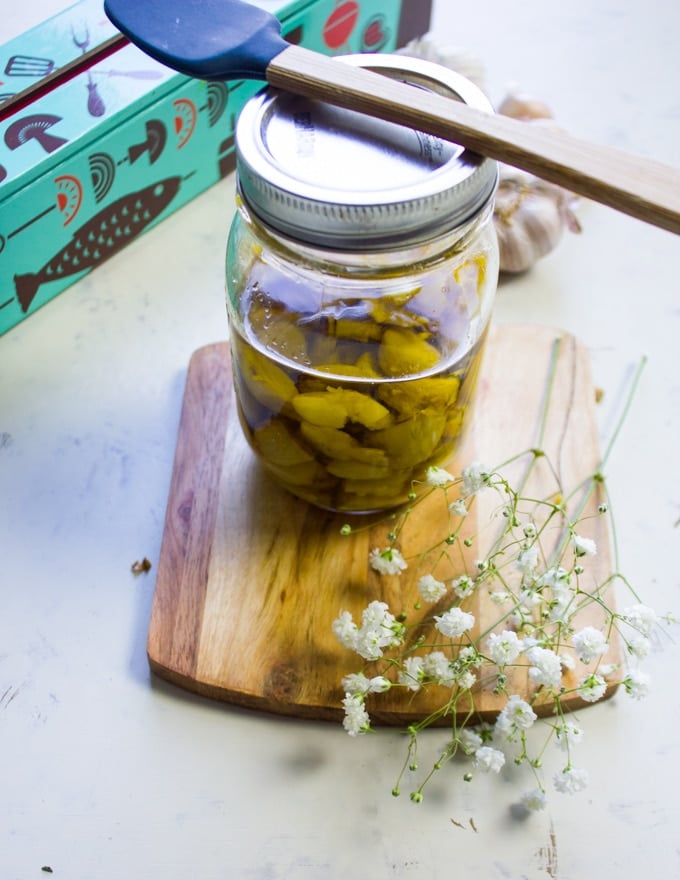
250, 579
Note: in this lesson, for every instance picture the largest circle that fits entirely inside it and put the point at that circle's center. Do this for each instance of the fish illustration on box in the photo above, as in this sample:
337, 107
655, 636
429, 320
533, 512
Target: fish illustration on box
101, 237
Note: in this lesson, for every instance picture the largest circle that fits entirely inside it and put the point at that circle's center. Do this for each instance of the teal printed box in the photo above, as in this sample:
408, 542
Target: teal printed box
109, 153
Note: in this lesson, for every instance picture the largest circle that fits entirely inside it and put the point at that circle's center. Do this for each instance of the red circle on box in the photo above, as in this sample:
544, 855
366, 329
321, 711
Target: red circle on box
340, 24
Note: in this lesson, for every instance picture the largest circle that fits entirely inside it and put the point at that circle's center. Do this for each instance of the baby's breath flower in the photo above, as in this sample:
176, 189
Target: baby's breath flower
412, 674
592, 688
534, 801
469, 740
518, 619
640, 617
346, 631
527, 561
589, 643
545, 667
504, 647
379, 629
430, 588
437, 666
458, 508
463, 586
636, 684
556, 578
638, 646
559, 607
568, 734
355, 683
470, 656
438, 477
584, 546
466, 679
356, 720
570, 780
376, 614
379, 684
475, 477
489, 759
529, 599
371, 641
567, 661
515, 716
454, 622
387, 561
537, 625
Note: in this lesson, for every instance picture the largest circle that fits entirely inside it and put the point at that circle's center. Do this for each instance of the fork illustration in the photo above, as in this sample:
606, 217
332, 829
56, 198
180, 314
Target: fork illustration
95, 105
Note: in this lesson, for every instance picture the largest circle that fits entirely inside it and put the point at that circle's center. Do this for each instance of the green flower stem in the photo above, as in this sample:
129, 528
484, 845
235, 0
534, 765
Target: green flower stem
509, 568
626, 409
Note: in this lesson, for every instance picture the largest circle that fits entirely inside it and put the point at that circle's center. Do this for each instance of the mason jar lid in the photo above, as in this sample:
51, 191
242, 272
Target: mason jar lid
341, 179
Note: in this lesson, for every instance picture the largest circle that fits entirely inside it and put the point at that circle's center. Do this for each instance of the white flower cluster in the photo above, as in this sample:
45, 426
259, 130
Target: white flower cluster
475, 477
387, 561
379, 630
437, 667
539, 597
438, 477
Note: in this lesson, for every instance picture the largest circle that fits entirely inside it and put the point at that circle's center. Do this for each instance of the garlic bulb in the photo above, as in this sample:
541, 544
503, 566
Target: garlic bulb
521, 106
530, 214
453, 57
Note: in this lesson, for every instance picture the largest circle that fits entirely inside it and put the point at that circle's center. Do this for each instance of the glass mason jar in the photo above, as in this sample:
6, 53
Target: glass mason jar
362, 265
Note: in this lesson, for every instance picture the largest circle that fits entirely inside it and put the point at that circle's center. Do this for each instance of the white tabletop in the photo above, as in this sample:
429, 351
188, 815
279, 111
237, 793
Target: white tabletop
108, 772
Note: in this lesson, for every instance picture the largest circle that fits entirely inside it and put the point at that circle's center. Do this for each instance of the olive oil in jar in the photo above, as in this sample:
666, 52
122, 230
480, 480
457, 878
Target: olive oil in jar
356, 341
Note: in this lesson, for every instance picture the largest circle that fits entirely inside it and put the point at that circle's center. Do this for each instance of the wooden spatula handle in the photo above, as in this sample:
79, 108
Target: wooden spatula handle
640, 187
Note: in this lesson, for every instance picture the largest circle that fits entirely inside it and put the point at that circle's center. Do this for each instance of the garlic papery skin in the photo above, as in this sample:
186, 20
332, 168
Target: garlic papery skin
454, 57
529, 216
521, 106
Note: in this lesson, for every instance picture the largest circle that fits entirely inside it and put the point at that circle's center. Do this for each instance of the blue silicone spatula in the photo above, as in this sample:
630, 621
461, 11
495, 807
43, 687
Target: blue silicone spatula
230, 39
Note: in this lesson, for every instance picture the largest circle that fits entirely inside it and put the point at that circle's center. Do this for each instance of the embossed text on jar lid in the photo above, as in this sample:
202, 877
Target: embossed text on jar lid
336, 178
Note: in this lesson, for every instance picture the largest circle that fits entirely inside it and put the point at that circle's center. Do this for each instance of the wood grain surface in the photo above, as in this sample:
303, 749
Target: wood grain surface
250, 578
